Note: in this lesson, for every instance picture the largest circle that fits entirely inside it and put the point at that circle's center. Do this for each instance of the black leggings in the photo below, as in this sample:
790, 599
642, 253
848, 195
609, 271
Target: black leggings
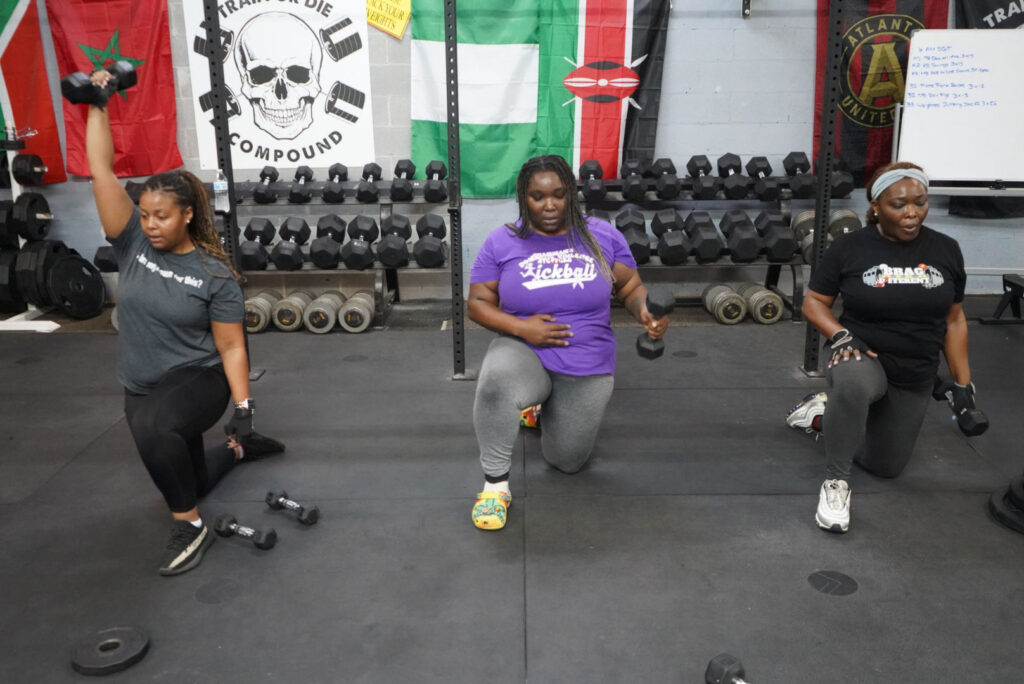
168, 426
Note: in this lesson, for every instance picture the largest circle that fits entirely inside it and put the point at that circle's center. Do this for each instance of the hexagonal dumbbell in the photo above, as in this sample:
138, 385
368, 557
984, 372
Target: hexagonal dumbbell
779, 242
666, 184
706, 244
634, 187
593, 187
705, 186
842, 179
734, 184
659, 303
325, 250
301, 191
227, 525
725, 669
740, 236
259, 233
333, 191
278, 500
263, 193
401, 186
429, 248
393, 248
766, 188
673, 245
106, 260
435, 189
356, 253
801, 183
633, 226
287, 255
367, 190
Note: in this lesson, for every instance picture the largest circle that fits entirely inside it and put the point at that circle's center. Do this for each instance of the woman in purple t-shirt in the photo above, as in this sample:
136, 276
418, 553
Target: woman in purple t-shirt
545, 284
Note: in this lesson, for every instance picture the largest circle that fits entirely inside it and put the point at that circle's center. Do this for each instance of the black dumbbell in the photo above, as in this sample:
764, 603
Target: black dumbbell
263, 193
633, 184
593, 187
766, 188
725, 669
333, 191
428, 251
633, 226
673, 245
393, 248
287, 253
779, 241
301, 192
356, 253
401, 186
279, 500
801, 183
666, 185
659, 303
78, 88
325, 250
339, 42
741, 236
367, 190
105, 259
28, 169
227, 525
842, 179
705, 186
734, 184
970, 419
436, 189
705, 242
259, 233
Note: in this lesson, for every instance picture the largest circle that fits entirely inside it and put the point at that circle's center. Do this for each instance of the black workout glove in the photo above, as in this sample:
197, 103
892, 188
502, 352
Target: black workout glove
843, 340
240, 424
960, 397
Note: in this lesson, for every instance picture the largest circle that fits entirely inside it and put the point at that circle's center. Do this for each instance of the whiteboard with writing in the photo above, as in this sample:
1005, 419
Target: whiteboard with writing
963, 106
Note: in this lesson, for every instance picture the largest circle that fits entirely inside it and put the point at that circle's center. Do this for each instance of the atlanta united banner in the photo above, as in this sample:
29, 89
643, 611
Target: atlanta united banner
876, 35
297, 80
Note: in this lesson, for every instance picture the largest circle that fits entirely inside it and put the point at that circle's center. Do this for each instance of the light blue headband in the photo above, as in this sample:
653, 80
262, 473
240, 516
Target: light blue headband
894, 176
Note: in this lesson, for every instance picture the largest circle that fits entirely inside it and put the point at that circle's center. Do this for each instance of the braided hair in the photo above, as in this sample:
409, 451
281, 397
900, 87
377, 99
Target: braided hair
580, 238
871, 217
188, 192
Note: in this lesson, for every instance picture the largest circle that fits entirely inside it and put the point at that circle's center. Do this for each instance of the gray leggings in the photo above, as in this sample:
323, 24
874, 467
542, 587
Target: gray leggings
511, 379
868, 420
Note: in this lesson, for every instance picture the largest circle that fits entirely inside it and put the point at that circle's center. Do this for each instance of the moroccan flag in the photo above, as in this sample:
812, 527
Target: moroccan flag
876, 35
28, 104
92, 33
578, 78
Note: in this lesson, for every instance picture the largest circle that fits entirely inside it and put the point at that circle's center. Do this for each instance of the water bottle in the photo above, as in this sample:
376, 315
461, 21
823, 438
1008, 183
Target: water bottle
220, 193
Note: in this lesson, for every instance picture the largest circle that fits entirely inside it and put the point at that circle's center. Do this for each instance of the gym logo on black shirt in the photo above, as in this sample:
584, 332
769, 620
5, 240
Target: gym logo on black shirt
883, 274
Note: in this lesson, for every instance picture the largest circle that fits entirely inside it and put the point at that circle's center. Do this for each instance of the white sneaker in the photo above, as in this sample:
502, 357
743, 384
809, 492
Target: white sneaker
834, 506
807, 414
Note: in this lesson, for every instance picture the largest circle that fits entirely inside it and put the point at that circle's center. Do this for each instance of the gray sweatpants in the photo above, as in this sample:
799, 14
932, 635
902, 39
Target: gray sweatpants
868, 420
511, 379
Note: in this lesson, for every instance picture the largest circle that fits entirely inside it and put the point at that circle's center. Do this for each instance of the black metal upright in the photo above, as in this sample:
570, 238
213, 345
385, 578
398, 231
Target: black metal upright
214, 53
826, 150
454, 191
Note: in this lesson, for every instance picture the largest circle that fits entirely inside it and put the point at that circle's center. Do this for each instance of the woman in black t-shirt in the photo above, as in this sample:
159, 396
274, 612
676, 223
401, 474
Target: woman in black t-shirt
902, 285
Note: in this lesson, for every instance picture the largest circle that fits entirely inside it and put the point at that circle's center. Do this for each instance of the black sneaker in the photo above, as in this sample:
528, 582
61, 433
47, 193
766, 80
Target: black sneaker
186, 548
255, 446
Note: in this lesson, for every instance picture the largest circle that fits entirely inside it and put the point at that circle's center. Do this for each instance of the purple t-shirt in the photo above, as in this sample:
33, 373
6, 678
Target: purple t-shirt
543, 274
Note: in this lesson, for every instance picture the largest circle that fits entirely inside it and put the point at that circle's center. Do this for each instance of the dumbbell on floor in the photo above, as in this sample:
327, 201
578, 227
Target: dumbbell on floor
779, 242
763, 305
722, 302
357, 312
333, 191
393, 248
279, 500
741, 237
401, 186
734, 184
428, 251
259, 233
287, 253
633, 226
367, 191
659, 303
322, 313
301, 191
705, 186
288, 312
259, 310
356, 254
673, 245
435, 189
725, 669
325, 250
801, 183
593, 187
227, 525
705, 242
78, 88
263, 193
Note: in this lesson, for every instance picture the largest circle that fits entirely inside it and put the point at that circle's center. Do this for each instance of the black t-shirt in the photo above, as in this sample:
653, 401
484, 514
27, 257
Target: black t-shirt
896, 296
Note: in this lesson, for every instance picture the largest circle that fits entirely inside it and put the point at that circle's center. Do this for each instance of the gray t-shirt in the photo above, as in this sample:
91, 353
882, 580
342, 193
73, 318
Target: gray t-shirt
165, 303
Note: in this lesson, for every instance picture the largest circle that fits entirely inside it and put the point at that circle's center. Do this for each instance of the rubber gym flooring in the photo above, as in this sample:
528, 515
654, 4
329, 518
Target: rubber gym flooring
690, 533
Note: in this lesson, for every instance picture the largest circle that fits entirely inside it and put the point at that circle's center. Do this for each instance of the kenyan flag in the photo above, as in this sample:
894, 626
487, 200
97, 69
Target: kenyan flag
581, 79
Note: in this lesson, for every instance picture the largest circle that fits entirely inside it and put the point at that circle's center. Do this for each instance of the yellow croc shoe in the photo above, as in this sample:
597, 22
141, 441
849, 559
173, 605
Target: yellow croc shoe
530, 417
491, 510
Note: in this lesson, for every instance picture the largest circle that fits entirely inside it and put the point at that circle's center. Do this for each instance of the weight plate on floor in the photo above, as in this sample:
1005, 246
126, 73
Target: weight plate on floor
1004, 512
8, 233
109, 650
1015, 494
75, 286
11, 300
31, 216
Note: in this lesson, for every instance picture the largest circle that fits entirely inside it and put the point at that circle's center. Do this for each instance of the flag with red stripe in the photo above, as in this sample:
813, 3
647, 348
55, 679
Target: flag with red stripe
27, 104
92, 33
876, 35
